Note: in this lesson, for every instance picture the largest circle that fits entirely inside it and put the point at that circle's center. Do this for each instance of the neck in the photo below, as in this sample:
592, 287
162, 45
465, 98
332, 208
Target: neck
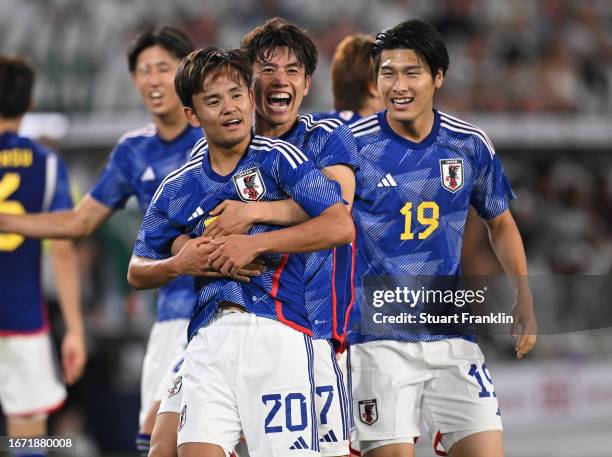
170, 125
263, 128
415, 130
10, 124
223, 158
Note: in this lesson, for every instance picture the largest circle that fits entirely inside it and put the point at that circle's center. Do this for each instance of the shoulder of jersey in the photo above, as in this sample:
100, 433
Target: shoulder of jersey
183, 173
366, 126
292, 154
147, 131
40, 149
328, 124
199, 148
458, 126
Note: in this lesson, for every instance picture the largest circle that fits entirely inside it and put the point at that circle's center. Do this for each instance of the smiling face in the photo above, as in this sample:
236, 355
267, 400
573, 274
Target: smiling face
223, 109
280, 84
407, 86
154, 77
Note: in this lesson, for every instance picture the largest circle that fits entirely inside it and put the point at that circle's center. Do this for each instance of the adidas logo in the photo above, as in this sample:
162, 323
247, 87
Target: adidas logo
299, 444
387, 181
329, 437
197, 213
148, 175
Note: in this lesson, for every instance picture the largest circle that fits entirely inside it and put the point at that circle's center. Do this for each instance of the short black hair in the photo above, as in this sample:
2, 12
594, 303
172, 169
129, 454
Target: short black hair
16, 83
171, 39
418, 35
196, 66
260, 43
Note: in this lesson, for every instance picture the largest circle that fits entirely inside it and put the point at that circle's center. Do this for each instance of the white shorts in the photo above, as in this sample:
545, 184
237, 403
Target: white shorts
166, 345
173, 395
394, 383
245, 374
31, 382
331, 401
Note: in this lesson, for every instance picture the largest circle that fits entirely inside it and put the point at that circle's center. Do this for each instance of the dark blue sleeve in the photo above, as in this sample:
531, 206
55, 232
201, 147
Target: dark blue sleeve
156, 232
112, 188
492, 191
339, 149
304, 183
61, 197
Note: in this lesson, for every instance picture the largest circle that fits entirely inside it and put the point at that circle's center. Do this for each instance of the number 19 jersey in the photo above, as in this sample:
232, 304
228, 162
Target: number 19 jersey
411, 205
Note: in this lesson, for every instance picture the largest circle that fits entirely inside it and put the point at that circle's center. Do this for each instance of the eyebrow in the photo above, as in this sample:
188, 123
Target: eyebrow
390, 66
160, 63
210, 97
206, 97
290, 64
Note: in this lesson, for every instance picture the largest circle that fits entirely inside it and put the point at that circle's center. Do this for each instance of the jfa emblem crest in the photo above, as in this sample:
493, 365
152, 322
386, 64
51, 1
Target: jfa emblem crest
368, 411
451, 173
250, 185
175, 388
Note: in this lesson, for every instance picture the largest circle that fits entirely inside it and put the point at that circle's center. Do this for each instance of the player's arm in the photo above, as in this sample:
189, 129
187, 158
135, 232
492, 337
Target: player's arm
332, 228
191, 260
235, 217
508, 246
345, 176
79, 222
66, 272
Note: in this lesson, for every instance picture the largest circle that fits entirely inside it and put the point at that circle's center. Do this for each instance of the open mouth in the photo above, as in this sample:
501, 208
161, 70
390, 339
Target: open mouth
232, 123
155, 95
278, 101
402, 102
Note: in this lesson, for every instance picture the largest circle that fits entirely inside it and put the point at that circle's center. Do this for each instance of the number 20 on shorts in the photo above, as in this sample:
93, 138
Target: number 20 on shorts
427, 214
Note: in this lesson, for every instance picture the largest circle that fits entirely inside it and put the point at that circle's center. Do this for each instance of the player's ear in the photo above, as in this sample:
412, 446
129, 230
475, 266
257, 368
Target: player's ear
191, 117
439, 79
373, 90
307, 85
252, 99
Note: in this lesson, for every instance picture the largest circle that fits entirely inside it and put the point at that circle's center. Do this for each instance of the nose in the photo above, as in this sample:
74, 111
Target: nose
280, 78
154, 77
401, 84
229, 106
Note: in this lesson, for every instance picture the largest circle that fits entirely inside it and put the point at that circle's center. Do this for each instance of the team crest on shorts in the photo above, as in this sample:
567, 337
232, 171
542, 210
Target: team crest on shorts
250, 185
175, 388
451, 173
368, 411
182, 418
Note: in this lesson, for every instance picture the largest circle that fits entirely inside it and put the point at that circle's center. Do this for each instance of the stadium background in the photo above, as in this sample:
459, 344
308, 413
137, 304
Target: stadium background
535, 74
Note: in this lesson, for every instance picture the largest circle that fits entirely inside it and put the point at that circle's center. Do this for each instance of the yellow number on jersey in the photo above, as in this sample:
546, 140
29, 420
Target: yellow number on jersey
428, 214
8, 185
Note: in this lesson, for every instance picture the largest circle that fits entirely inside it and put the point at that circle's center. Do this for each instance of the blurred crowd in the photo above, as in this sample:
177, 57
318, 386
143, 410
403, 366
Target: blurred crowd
553, 56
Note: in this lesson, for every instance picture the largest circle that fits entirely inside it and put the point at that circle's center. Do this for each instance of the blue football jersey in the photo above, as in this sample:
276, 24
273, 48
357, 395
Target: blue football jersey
137, 166
411, 205
329, 273
32, 179
269, 170
345, 116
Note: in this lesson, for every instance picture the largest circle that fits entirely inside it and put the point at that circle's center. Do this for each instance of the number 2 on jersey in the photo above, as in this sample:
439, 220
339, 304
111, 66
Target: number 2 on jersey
427, 214
8, 185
